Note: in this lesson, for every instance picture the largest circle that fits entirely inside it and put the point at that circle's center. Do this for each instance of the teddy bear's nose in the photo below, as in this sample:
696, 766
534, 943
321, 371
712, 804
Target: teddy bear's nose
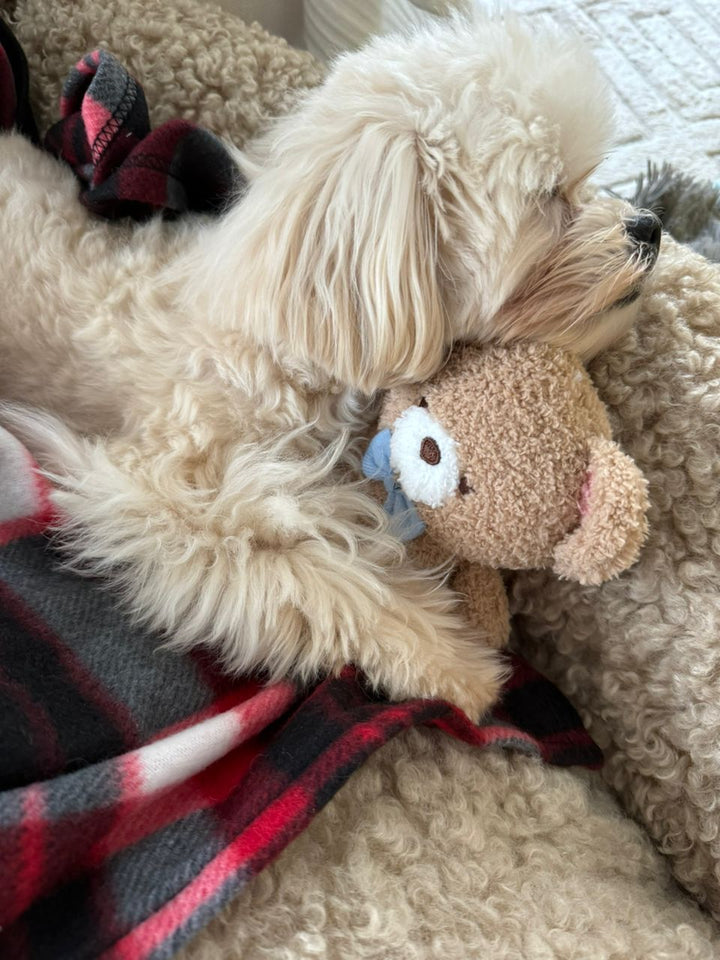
430, 451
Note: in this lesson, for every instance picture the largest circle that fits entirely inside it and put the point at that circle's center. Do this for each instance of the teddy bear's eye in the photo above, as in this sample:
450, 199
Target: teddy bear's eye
430, 451
424, 457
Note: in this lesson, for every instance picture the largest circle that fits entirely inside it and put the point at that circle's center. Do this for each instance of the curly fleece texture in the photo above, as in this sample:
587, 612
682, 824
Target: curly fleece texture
433, 849
640, 656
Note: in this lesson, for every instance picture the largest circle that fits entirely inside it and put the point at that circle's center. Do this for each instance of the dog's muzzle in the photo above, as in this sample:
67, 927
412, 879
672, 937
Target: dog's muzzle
644, 231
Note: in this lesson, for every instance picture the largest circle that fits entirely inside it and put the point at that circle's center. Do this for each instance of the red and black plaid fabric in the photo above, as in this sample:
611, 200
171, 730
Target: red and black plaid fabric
140, 790
15, 108
124, 168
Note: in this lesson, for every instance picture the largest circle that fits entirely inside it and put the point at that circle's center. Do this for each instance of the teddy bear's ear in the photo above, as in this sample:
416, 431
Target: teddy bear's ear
613, 523
397, 400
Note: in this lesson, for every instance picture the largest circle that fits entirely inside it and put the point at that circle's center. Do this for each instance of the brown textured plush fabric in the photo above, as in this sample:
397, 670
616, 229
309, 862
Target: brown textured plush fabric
526, 422
540, 483
435, 852
433, 849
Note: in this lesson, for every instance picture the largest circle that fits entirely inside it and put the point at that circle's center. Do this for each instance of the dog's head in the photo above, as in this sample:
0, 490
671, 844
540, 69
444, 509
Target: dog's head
434, 190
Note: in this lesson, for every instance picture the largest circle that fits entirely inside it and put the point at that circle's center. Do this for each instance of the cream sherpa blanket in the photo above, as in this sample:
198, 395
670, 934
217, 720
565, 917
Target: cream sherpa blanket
433, 850
640, 656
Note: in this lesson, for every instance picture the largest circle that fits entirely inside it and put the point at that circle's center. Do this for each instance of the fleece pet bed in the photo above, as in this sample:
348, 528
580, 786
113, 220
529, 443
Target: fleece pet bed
432, 847
641, 655
429, 851
125, 170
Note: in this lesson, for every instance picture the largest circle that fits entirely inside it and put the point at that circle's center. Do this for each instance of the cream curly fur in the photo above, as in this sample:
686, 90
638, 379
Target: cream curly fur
434, 850
218, 368
640, 655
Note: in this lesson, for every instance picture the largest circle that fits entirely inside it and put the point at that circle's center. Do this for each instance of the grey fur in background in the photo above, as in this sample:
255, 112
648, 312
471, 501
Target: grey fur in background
689, 208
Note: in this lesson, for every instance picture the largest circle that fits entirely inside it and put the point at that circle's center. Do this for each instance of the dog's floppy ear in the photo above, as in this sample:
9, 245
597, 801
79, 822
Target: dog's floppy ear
376, 315
347, 256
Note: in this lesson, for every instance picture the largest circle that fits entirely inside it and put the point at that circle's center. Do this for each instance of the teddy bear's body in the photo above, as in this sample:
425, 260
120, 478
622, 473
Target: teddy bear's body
506, 457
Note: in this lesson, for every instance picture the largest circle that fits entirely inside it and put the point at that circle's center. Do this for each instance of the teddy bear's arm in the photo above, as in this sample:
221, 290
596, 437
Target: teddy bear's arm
486, 604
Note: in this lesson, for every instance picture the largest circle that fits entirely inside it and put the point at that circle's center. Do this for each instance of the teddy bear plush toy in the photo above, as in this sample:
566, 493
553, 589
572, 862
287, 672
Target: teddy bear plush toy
505, 461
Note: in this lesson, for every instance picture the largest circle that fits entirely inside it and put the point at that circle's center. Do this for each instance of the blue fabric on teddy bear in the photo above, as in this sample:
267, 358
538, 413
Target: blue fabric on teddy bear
405, 522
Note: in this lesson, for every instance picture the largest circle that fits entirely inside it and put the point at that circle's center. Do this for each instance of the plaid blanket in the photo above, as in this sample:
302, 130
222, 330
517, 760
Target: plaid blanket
140, 789
14, 100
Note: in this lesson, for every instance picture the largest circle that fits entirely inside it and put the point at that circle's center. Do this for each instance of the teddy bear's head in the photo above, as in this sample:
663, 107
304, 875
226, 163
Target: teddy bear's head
505, 459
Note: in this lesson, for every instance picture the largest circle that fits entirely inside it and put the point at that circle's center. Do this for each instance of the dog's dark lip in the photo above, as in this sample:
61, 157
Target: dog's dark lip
647, 255
627, 299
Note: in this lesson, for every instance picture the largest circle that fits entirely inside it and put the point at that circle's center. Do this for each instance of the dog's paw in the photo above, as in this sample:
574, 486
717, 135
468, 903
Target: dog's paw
472, 682
474, 693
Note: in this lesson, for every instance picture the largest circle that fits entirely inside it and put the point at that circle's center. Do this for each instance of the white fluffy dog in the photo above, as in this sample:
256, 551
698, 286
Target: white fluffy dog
212, 376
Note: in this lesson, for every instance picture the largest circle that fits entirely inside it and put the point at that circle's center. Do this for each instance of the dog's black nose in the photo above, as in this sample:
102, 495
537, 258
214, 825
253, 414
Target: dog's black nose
644, 228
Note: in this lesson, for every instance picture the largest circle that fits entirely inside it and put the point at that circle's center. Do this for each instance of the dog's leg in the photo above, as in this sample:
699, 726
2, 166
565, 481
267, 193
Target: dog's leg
420, 645
276, 567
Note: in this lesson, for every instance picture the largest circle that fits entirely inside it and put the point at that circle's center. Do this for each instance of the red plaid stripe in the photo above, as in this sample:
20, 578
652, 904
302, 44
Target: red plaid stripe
223, 782
125, 168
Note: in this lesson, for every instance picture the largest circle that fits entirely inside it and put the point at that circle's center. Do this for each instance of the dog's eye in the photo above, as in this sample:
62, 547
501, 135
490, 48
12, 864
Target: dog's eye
424, 457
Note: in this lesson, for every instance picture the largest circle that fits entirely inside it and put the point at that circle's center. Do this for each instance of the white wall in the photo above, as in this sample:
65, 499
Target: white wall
281, 17
327, 27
